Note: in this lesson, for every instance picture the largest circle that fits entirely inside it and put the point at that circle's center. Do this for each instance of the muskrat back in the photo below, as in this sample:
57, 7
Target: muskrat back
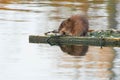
76, 25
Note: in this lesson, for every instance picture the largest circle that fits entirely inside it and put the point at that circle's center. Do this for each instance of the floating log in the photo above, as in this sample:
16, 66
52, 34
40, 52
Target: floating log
74, 40
94, 38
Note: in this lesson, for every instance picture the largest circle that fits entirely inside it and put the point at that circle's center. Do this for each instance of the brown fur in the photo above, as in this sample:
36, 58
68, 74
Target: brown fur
76, 25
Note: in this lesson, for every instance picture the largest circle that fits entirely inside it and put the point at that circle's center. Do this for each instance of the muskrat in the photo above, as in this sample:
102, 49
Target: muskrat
76, 25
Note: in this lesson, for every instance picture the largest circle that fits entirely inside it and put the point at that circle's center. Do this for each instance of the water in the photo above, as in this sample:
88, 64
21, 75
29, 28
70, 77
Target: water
21, 60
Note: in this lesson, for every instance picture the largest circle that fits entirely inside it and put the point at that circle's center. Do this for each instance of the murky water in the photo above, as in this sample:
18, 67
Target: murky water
21, 60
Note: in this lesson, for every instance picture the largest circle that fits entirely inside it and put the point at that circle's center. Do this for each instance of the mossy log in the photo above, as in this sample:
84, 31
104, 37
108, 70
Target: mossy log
94, 38
74, 40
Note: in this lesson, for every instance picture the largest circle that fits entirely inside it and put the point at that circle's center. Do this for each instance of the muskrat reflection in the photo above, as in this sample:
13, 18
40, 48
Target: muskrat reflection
74, 50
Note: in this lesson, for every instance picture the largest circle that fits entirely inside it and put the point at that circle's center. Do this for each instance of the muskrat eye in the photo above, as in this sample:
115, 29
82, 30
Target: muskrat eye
69, 19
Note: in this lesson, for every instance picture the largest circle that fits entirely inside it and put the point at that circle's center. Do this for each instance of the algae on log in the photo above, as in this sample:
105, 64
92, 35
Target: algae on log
74, 40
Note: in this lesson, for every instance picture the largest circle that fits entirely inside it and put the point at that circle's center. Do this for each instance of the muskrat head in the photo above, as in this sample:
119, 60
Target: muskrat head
66, 27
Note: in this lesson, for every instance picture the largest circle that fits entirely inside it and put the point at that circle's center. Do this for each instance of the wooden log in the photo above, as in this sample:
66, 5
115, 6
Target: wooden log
73, 40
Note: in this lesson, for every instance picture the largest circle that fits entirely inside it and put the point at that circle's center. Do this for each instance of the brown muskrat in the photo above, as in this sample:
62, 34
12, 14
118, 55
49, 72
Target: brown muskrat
76, 25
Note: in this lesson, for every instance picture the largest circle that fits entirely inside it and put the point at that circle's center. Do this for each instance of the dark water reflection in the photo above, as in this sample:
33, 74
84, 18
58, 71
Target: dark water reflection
74, 50
20, 60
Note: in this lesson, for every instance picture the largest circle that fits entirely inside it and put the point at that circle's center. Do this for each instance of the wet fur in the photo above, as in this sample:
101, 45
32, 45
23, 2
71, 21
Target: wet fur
76, 25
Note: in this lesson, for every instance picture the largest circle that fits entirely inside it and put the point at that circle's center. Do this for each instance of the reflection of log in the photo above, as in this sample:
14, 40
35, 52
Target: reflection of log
72, 40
